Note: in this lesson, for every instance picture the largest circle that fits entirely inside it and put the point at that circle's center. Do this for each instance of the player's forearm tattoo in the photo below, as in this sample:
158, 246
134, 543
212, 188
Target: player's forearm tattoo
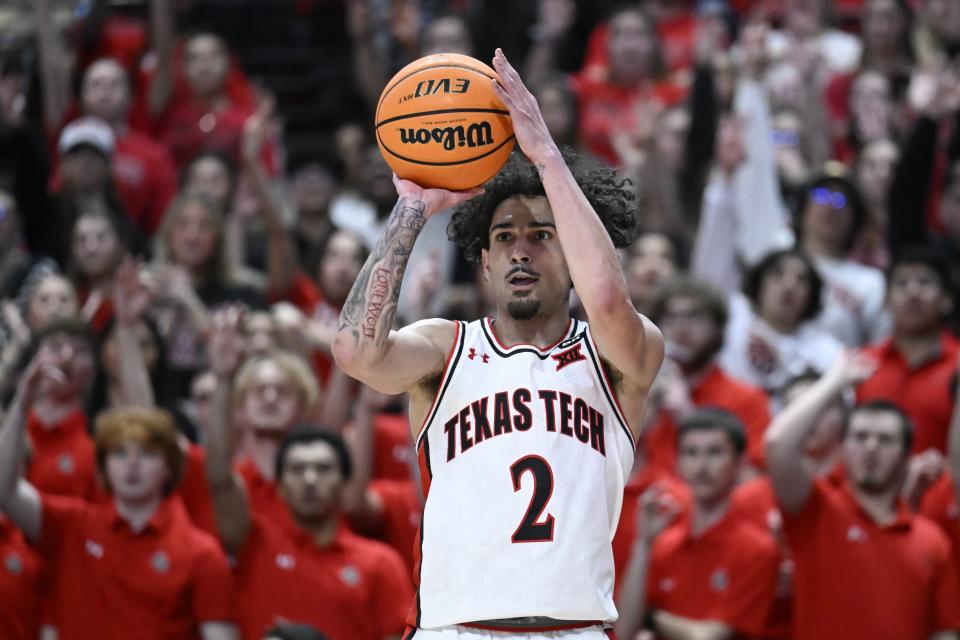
372, 303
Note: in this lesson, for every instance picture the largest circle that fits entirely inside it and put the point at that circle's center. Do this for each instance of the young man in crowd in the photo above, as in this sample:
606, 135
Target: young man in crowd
918, 362
712, 574
866, 567
63, 455
135, 565
307, 566
693, 318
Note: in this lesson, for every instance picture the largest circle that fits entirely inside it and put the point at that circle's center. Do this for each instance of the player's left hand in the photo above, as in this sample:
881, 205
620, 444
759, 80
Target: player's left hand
528, 125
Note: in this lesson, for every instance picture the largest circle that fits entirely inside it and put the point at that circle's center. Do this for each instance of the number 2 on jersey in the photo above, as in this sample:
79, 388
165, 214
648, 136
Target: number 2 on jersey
530, 530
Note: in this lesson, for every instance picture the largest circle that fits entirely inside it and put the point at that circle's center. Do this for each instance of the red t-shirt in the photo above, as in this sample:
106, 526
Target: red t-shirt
402, 511
109, 582
606, 107
145, 178
351, 589
854, 578
265, 499
627, 529
924, 392
21, 581
63, 461
941, 505
392, 447
714, 389
726, 574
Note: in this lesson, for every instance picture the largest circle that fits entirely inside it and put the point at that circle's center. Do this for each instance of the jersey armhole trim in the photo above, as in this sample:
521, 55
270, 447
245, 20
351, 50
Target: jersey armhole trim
456, 349
608, 389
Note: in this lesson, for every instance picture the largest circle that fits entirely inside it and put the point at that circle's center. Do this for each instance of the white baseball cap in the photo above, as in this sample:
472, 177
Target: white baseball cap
89, 131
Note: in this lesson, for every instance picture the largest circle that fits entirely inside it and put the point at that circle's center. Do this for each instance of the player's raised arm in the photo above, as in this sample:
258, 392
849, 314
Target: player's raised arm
627, 340
366, 347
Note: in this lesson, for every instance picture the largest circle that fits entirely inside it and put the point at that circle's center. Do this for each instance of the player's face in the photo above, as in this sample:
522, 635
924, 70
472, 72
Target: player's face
105, 92
311, 481
272, 401
873, 450
916, 298
690, 329
525, 264
135, 472
709, 464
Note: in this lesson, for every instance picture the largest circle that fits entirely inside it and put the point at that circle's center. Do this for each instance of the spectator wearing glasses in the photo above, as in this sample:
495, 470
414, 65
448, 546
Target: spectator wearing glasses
829, 220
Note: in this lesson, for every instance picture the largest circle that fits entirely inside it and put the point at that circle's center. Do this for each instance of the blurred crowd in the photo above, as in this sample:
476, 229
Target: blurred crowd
180, 456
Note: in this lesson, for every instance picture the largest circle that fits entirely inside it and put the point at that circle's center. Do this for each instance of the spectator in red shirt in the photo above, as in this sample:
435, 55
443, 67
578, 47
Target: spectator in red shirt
609, 93
866, 567
305, 567
135, 565
142, 168
917, 364
693, 317
63, 455
712, 575
196, 100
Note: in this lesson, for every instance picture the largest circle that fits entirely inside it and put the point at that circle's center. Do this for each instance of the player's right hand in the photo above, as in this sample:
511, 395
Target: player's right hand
434, 200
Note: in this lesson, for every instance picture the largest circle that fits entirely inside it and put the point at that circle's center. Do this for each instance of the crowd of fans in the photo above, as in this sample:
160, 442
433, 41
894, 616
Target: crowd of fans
180, 456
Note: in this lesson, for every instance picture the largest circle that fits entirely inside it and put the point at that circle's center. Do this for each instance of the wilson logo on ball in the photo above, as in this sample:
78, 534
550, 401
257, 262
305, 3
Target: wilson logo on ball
440, 123
433, 87
476, 135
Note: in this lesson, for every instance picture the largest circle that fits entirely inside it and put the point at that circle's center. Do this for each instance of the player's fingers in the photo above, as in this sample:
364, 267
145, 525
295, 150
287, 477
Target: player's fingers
503, 94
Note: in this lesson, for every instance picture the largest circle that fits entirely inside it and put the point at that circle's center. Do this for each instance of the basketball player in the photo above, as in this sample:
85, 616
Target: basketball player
522, 421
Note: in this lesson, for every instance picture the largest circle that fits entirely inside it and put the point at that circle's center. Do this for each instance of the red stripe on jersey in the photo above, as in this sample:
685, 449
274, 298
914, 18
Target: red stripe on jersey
424, 464
413, 616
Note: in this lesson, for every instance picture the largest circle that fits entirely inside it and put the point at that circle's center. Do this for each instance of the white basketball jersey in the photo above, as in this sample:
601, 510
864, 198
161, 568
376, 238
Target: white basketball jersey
525, 454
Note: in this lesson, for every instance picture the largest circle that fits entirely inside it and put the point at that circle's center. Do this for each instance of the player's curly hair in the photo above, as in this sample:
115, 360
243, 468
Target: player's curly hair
609, 195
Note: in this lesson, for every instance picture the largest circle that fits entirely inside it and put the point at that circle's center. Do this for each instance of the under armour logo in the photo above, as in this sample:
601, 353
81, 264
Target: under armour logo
568, 357
473, 354
668, 584
286, 561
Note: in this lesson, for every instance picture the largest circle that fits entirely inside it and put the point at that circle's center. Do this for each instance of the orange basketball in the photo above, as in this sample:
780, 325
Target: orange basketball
440, 125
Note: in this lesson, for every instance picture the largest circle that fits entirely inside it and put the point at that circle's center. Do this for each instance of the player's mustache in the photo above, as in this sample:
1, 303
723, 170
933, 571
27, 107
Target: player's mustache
522, 270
